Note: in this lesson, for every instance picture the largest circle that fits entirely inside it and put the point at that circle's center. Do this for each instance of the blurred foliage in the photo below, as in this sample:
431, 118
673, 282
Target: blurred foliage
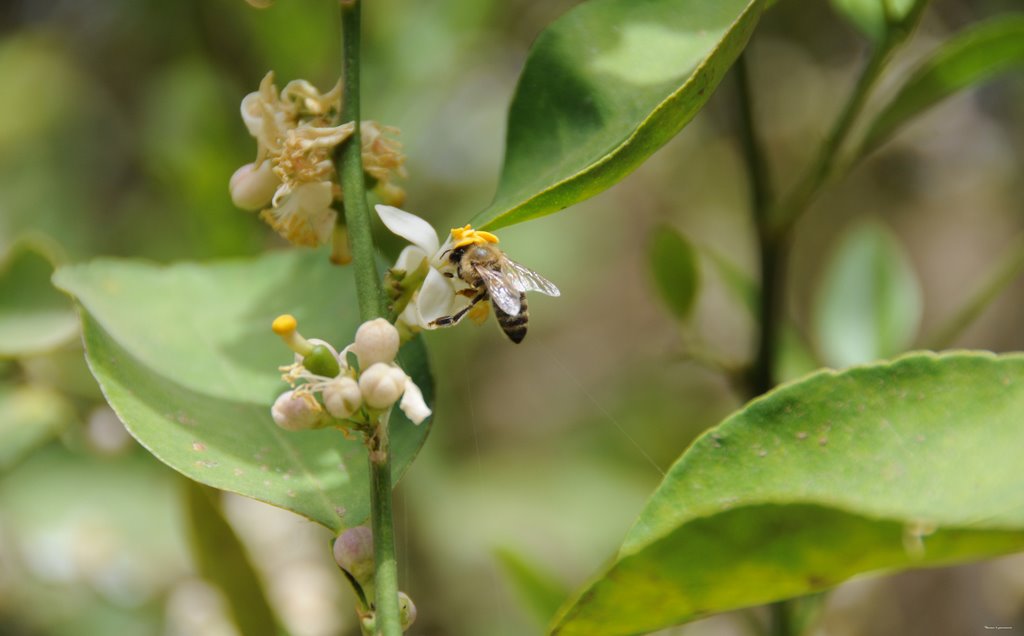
119, 129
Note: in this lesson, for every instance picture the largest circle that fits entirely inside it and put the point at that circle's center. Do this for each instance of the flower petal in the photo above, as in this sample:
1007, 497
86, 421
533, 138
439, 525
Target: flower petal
252, 187
436, 297
439, 257
303, 216
411, 317
413, 404
410, 227
410, 258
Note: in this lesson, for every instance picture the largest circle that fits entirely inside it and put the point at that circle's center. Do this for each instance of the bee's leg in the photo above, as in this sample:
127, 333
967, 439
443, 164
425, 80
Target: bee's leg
445, 321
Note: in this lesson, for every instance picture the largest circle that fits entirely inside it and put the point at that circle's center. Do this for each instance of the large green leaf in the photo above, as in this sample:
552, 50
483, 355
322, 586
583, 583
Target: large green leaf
910, 463
869, 303
34, 316
974, 56
603, 88
185, 356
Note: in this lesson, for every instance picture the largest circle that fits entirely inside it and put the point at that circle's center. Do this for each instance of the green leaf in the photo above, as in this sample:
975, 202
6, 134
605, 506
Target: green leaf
976, 55
820, 480
673, 262
873, 17
186, 357
540, 591
604, 87
222, 560
29, 416
34, 317
869, 302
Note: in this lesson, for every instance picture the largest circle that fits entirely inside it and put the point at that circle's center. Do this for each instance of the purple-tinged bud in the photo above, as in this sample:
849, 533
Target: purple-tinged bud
296, 413
353, 552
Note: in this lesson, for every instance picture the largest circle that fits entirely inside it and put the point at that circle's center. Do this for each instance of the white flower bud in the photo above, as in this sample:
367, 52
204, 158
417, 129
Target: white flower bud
253, 187
296, 413
382, 385
376, 341
413, 404
342, 397
353, 551
406, 610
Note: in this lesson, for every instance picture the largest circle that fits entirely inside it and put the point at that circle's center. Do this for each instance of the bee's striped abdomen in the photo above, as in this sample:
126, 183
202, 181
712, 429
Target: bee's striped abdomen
514, 326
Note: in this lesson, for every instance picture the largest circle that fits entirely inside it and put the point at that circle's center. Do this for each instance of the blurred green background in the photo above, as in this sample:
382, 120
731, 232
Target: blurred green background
119, 129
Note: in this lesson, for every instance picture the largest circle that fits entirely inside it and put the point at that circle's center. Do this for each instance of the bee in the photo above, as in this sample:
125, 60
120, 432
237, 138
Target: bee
493, 276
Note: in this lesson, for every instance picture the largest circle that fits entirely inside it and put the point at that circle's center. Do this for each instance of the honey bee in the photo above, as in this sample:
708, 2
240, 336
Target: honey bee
493, 276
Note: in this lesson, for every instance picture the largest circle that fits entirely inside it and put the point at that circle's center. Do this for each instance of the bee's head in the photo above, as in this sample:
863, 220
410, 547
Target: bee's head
455, 255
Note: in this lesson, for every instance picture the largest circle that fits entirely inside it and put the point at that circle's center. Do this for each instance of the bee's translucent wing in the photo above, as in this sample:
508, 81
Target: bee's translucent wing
501, 288
526, 279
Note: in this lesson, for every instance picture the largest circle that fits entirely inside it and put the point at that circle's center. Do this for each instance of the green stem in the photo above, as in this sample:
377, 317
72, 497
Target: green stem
753, 153
385, 579
823, 168
771, 246
773, 252
371, 305
779, 620
350, 173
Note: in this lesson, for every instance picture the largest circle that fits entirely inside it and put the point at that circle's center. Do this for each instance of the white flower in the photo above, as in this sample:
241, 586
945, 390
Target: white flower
376, 341
437, 296
294, 411
303, 215
382, 384
342, 397
252, 187
296, 134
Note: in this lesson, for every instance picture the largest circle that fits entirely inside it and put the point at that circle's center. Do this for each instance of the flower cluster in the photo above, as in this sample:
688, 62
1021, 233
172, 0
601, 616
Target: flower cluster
297, 132
327, 391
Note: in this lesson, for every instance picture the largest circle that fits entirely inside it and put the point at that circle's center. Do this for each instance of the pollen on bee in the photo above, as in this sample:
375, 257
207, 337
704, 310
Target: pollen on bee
478, 314
466, 235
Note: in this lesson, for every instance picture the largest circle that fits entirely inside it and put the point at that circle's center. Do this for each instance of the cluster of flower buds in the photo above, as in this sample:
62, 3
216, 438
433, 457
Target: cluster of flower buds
327, 391
294, 179
353, 552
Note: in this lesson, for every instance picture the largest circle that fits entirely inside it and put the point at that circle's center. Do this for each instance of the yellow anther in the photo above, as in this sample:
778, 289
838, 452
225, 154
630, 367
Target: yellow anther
285, 326
464, 236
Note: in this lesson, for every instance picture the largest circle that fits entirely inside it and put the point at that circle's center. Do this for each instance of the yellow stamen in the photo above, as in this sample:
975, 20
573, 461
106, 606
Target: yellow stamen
286, 326
466, 235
